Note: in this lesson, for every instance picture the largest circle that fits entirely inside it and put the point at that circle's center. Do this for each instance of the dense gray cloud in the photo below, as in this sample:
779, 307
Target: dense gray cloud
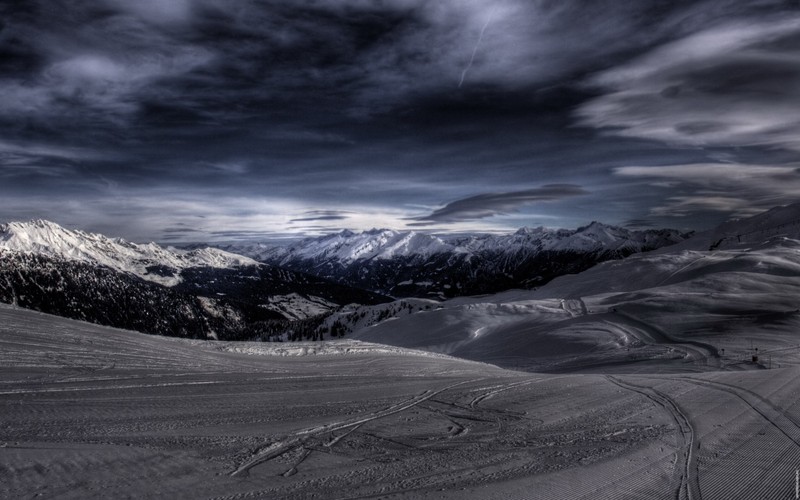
490, 204
288, 117
639, 223
736, 189
321, 215
729, 85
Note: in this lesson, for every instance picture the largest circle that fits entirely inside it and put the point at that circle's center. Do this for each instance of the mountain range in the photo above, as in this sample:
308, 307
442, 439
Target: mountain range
726, 298
413, 264
317, 288
202, 293
149, 261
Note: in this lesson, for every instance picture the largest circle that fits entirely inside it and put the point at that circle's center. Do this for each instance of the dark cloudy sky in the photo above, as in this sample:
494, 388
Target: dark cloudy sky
191, 120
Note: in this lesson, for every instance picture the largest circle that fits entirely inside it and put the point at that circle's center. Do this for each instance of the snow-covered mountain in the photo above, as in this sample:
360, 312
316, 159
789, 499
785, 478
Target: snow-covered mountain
594, 237
198, 293
777, 223
408, 263
148, 261
348, 247
695, 306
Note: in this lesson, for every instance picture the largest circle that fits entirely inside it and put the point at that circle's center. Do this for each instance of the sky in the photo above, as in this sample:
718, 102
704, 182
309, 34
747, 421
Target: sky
223, 120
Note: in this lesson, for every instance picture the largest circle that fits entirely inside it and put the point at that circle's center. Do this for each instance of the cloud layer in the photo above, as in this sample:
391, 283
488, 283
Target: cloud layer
735, 189
288, 117
730, 85
491, 204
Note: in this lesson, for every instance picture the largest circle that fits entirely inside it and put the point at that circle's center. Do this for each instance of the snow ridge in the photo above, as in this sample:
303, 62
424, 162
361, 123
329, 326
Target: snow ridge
347, 247
778, 222
148, 261
417, 264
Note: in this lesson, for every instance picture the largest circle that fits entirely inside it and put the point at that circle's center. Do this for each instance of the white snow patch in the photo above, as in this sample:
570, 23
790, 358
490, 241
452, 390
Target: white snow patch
295, 306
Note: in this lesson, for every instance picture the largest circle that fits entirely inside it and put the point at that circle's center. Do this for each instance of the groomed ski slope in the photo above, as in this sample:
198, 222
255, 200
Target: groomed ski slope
92, 412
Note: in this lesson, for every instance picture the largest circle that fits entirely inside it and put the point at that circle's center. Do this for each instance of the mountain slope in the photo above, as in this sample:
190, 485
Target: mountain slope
688, 310
410, 264
779, 222
200, 293
80, 290
148, 261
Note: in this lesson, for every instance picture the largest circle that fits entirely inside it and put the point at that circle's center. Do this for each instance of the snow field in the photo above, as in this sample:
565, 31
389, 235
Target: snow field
92, 412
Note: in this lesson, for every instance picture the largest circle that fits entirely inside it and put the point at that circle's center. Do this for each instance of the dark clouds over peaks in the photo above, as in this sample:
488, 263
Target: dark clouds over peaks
243, 119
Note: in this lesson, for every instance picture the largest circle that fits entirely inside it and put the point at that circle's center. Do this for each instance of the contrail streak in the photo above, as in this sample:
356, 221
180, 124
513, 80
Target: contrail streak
477, 44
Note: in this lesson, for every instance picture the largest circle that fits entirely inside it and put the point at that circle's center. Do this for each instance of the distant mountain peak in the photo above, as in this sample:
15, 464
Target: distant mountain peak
595, 225
530, 230
405, 263
52, 240
376, 231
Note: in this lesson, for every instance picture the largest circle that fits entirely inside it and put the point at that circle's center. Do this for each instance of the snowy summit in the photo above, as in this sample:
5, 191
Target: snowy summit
51, 240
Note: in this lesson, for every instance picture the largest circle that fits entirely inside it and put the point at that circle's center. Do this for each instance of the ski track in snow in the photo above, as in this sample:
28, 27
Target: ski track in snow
299, 438
575, 307
695, 350
686, 484
776, 416
477, 400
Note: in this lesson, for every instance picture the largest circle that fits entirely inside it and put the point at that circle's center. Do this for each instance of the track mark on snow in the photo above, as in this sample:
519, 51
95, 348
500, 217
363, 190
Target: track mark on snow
477, 400
694, 349
278, 448
687, 486
775, 415
338, 438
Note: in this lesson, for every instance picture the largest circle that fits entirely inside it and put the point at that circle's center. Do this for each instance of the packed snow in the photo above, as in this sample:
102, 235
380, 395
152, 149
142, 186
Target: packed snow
93, 412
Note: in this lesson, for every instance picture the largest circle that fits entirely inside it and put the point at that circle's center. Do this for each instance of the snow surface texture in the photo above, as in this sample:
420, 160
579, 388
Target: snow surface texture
149, 261
93, 412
